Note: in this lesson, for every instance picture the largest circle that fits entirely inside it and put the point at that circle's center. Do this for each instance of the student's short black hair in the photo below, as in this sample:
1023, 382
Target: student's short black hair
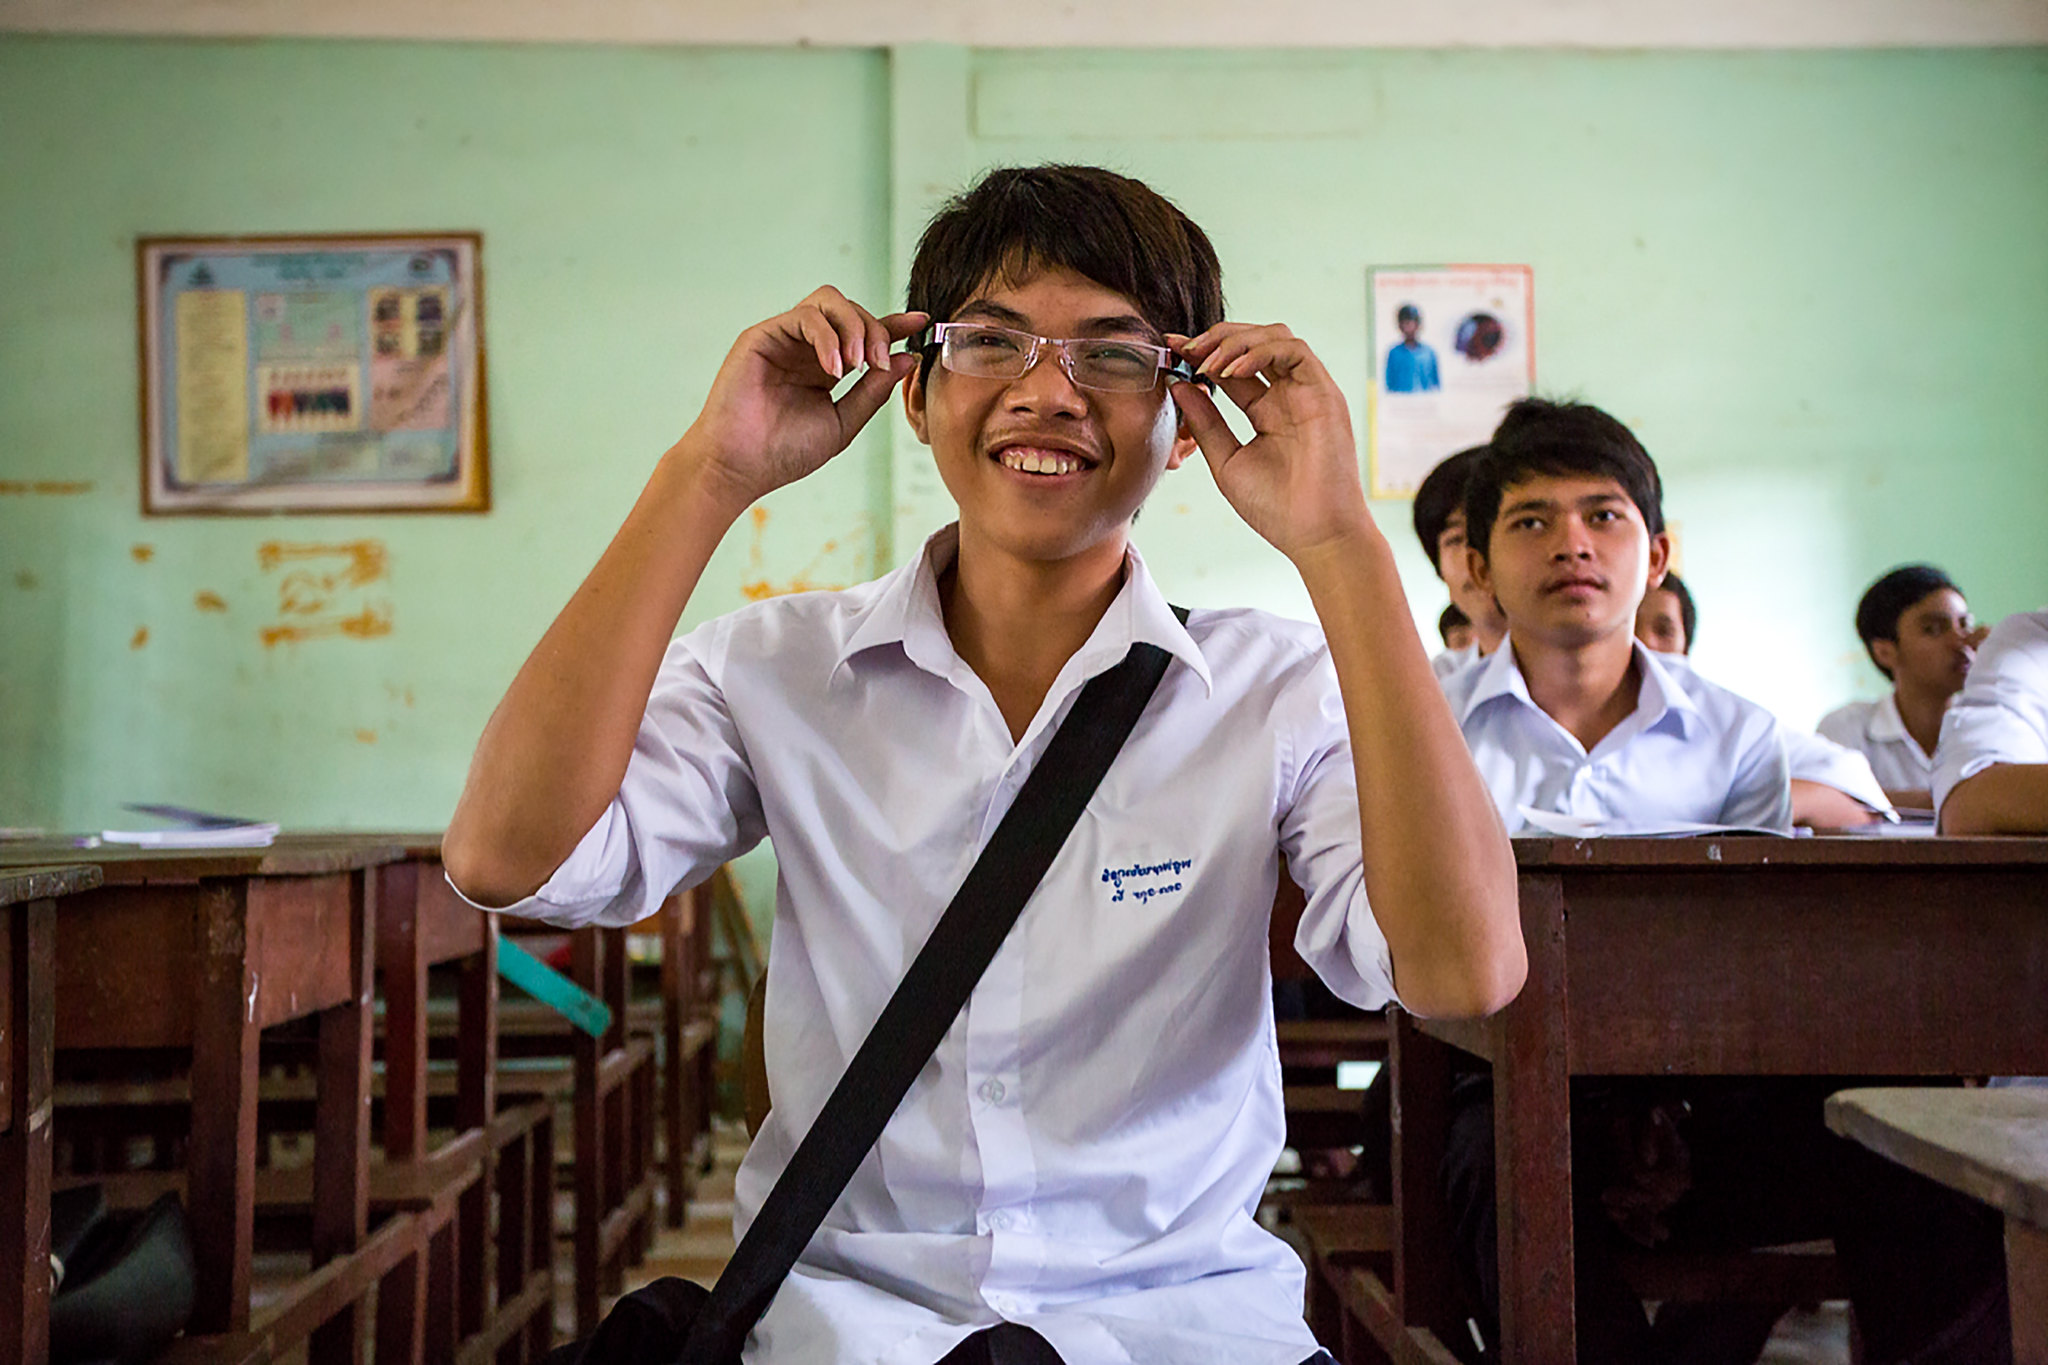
1451, 619
1118, 232
1688, 615
1441, 493
1892, 596
1539, 436
1407, 312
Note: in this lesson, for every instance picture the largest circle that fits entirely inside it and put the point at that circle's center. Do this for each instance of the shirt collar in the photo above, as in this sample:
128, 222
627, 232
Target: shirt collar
907, 613
1662, 694
1885, 723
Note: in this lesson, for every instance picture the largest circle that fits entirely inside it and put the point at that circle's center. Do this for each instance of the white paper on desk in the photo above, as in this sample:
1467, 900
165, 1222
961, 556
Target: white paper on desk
225, 836
1594, 827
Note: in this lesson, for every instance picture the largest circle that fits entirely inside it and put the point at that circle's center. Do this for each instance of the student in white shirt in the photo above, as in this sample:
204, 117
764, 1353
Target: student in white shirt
1439, 514
1832, 785
1918, 631
1574, 716
1074, 1174
1991, 770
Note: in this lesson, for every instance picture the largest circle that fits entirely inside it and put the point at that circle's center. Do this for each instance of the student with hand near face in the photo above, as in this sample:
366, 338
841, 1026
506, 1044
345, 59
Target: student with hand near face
1574, 716
1074, 1172
1991, 769
1439, 514
1919, 633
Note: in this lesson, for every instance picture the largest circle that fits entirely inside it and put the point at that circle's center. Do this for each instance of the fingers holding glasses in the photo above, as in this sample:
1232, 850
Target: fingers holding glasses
845, 336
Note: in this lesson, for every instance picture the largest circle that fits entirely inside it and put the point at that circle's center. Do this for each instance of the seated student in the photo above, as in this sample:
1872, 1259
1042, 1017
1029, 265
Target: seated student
1439, 514
1455, 627
1832, 786
1917, 629
1073, 1174
1574, 716
1991, 770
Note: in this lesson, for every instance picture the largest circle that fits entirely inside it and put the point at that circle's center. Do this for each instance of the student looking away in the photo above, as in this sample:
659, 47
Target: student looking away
1439, 515
1918, 631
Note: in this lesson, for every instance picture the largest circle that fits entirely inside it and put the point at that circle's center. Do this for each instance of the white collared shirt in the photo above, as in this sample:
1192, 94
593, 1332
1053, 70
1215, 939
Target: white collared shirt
1875, 730
1453, 660
1086, 1149
2001, 715
1690, 753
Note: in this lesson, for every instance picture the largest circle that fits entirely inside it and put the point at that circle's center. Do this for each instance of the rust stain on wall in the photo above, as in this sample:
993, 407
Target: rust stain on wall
26, 581
210, 601
140, 638
366, 736
59, 488
320, 590
142, 554
805, 579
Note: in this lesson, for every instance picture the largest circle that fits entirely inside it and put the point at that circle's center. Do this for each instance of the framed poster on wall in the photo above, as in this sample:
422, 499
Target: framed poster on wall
1451, 346
312, 374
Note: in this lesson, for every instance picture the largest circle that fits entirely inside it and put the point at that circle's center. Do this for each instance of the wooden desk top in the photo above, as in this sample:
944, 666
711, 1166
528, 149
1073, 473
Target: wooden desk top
1991, 1144
292, 855
1755, 850
39, 883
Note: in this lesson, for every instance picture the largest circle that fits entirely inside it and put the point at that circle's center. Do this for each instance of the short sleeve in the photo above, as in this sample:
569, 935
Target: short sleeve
1843, 726
2001, 715
1319, 834
687, 804
1760, 790
1831, 763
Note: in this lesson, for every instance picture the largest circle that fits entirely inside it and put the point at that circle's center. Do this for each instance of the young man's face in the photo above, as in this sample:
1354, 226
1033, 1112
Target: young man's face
1660, 624
1411, 327
1570, 559
1934, 651
1454, 567
1106, 449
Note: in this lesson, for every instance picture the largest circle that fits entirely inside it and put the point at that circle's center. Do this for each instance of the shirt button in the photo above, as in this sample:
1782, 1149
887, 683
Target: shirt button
999, 1221
992, 1091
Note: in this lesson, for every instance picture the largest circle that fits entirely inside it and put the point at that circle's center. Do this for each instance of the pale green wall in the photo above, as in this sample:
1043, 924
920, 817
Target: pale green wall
1815, 283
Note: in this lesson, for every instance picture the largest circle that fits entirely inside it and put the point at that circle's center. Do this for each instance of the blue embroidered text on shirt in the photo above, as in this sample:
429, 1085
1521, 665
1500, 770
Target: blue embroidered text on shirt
1137, 872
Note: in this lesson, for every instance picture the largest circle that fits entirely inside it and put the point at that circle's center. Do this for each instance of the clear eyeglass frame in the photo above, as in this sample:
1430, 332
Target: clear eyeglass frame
1104, 364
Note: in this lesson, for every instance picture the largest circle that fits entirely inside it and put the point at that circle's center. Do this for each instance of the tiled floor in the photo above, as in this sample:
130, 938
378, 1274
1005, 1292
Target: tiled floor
701, 1247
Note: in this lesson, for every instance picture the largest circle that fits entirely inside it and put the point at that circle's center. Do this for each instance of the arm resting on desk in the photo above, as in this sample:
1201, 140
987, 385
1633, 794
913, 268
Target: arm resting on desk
2005, 798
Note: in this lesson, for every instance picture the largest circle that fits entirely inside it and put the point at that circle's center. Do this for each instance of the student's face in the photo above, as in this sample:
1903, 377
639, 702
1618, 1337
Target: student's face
1935, 646
1570, 559
1660, 624
1454, 567
980, 429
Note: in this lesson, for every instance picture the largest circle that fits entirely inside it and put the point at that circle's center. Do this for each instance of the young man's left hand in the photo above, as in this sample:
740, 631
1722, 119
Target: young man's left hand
1296, 481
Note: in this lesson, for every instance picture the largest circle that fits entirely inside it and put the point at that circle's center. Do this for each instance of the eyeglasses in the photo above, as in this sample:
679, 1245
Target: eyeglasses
1109, 365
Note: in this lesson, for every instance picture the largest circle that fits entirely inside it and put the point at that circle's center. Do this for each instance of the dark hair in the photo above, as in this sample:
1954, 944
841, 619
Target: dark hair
1450, 621
1441, 493
1892, 596
1688, 615
1408, 312
1538, 436
1118, 232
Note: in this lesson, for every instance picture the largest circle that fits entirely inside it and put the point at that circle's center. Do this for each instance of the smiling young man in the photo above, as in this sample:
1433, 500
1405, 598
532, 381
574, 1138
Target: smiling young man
1074, 1173
1574, 716
1918, 631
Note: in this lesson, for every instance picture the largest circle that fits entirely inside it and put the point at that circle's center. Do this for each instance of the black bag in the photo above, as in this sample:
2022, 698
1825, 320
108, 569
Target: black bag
902, 1040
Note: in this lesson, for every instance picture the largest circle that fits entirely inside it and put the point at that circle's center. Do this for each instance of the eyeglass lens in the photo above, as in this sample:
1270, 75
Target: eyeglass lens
1095, 363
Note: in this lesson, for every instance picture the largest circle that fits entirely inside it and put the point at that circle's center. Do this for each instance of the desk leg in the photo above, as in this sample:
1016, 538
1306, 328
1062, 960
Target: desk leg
401, 960
1420, 1074
2026, 1272
591, 1149
476, 1104
28, 958
1533, 1143
341, 1131
222, 1177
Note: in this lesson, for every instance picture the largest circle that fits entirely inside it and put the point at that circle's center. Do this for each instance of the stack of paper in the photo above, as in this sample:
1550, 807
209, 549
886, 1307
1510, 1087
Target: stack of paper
193, 829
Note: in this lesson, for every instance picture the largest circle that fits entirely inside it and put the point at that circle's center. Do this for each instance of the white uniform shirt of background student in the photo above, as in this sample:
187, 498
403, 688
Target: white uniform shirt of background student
2001, 715
1875, 729
1692, 752
1086, 1150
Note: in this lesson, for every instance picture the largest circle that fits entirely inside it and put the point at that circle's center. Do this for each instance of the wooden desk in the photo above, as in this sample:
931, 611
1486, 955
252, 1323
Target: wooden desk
200, 951
1991, 1145
27, 953
1728, 956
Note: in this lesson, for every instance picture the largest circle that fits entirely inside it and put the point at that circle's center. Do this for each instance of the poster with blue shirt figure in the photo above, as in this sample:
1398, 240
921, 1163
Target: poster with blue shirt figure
1452, 346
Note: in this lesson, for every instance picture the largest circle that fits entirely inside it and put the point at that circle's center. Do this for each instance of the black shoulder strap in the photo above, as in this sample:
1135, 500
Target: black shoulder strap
930, 997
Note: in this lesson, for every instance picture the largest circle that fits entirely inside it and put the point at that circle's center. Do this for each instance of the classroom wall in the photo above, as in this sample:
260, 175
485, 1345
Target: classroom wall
1813, 282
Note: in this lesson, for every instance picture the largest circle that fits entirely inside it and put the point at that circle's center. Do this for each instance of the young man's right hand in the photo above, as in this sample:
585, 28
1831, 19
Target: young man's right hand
770, 418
